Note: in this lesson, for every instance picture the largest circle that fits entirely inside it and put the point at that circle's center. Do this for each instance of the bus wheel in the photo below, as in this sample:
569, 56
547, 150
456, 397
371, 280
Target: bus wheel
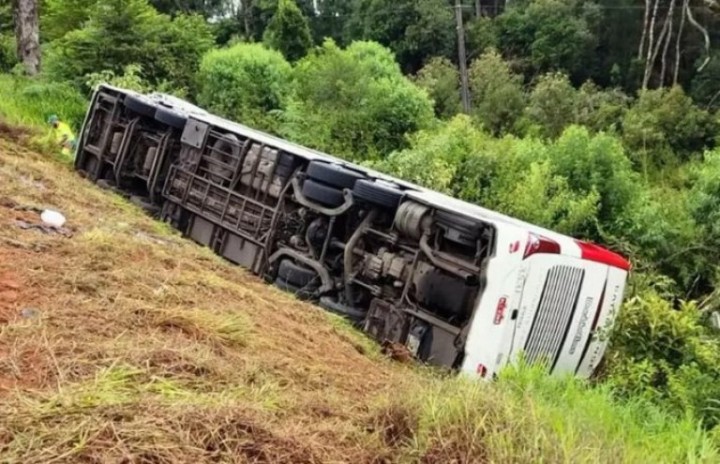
376, 193
331, 174
324, 194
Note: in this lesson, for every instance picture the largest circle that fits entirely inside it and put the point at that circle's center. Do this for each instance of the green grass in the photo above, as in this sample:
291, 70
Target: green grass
527, 417
29, 102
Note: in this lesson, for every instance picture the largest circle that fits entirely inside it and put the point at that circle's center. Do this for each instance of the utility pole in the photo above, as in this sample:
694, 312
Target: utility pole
478, 9
462, 58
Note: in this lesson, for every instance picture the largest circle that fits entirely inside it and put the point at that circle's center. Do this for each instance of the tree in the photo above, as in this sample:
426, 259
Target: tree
27, 34
551, 105
119, 33
206, 8
62, 16
664, 127
8, 48
480, 35
497, 92
414, 29
247, 83
441, 79
600, 110
551, 35
288, 31
354, 102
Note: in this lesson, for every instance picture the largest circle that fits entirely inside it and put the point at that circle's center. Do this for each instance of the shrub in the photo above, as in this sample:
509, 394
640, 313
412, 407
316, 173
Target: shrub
668, 356
525, 416
30, 102
441, 79
551, 105
288, 31
119, 33
247, 83
497, 93
354, 102
664, 128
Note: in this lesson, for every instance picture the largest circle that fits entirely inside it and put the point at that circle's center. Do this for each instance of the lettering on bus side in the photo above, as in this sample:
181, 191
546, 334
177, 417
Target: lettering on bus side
584, 318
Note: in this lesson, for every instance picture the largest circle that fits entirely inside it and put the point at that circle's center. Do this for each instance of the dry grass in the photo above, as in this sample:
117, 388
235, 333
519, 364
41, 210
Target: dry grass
125, 343
143, 347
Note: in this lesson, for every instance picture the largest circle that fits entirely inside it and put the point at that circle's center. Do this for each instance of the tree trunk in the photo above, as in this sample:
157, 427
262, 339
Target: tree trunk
705, 34
27, 34
650, 46
677, 41
663, 66
646, 24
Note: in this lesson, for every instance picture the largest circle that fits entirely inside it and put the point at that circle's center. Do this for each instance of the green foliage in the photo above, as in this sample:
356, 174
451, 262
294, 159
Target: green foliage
58, 17
412, 29
664, 128
668, 356
497, 93
550, 35
124, 32
524, 416
247, 83
30, 102
600, 110
551, 105
354, 102
515, 176
441, 79
481, 35
705, 88
130, 79
8, 55
206, 8
288, 31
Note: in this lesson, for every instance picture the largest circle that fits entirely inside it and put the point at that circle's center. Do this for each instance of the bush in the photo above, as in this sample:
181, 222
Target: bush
247, 83
30, 102
664, 128
509, 175
288, 31
551, 105
441, 79
497, 93
525, 416
8, 56
119, 33
355, 102
668, 356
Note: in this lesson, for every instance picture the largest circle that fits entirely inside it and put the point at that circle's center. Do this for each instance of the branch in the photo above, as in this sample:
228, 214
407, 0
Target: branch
651, 43
669, 21
704, 33
641, 48
677, 42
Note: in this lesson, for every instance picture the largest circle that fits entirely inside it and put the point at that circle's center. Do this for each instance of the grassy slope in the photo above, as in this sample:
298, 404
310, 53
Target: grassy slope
147, 348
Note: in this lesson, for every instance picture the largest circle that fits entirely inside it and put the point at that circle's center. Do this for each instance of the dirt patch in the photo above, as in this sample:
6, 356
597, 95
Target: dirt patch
397, 425
9, 294
239, 436
14, 133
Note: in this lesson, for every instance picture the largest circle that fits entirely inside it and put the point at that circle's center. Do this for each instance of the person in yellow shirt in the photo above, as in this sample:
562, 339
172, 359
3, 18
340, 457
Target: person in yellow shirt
63, 135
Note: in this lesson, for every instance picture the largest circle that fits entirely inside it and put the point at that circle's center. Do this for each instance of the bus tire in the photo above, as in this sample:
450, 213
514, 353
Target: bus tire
296, 275
377, 194
323, 194
334, 175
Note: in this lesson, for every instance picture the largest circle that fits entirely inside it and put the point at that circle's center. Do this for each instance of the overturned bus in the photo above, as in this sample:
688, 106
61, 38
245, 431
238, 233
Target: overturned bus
457, 284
